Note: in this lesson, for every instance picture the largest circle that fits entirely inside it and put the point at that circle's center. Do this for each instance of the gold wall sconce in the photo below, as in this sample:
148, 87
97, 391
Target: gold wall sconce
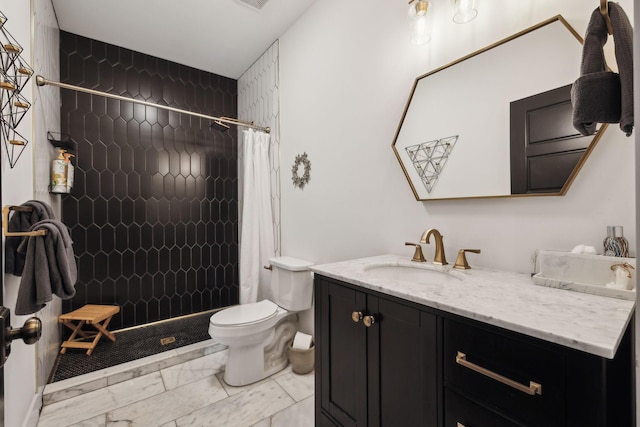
420, 17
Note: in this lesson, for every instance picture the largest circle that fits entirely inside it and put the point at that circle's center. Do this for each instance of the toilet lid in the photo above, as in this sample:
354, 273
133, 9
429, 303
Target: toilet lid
245, 313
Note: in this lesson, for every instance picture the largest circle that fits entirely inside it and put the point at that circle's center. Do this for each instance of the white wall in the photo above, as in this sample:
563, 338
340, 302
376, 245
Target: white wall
346, 71
46, 118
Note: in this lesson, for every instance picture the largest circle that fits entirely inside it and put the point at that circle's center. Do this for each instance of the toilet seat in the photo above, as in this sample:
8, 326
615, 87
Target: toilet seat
245, 314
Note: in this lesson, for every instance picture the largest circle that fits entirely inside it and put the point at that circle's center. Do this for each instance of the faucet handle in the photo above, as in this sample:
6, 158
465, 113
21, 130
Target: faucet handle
461, 261
625, 266
418, 256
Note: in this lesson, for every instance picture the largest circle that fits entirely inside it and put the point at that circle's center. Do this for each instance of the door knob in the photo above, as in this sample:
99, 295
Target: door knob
30, 332
356, 316
368, 321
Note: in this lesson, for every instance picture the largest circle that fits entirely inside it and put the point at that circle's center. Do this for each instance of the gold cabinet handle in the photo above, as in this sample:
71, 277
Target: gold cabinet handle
368, 321
532, 389
356, 316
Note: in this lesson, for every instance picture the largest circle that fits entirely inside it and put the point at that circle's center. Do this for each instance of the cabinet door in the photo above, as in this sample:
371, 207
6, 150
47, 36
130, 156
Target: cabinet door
343, 358
402, 360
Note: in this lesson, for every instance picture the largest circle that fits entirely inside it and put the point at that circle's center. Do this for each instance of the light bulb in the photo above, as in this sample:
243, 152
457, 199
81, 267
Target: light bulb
419, 18
464, 10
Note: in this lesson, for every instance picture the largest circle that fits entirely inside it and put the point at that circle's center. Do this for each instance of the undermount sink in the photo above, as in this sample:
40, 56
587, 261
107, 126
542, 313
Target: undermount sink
415, 273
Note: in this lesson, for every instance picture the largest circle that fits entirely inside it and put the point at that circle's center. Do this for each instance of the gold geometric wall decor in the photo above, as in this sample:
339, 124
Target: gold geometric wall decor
15, 72
430, 157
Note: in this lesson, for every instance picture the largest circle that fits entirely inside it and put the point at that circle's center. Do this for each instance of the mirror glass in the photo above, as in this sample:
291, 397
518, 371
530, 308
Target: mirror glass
455, 139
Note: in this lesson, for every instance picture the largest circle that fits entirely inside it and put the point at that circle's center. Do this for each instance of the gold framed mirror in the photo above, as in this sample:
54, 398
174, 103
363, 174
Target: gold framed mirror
456, 140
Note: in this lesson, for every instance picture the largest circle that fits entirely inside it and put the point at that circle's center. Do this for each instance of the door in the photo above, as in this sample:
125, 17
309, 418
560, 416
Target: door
545, 147
342, 338
1, 304
402, 353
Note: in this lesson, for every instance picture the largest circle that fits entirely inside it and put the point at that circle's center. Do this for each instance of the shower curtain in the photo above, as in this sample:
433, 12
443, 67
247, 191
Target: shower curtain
256, 224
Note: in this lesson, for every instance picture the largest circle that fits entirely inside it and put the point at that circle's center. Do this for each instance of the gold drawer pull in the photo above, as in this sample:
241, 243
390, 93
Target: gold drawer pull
532, 389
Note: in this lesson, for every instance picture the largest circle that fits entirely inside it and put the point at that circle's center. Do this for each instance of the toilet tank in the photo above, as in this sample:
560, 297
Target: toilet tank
291, 283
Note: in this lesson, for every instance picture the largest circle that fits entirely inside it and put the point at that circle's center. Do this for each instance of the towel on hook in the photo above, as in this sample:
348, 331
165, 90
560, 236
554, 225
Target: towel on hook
22, 221
50, 267
600, 95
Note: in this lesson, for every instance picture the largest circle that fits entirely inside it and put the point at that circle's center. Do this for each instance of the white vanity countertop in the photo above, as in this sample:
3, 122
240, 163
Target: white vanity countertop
591, 323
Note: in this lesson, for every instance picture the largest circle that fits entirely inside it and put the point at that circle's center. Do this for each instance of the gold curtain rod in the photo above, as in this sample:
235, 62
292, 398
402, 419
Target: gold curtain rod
41, 81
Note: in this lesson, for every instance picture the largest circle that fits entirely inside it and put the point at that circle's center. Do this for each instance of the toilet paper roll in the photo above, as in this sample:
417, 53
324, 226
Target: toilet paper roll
301, 341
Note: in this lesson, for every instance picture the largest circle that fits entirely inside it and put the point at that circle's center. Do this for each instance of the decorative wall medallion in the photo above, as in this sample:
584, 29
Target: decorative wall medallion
301, 161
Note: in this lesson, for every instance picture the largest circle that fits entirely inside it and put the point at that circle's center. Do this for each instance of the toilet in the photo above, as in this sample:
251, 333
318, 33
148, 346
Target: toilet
257, 334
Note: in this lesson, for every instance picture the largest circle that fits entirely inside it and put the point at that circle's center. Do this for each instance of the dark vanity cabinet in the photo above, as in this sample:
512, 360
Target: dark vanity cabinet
383, 361
376, 359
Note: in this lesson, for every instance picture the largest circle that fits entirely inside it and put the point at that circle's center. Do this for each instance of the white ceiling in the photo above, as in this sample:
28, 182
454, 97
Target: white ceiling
220, 36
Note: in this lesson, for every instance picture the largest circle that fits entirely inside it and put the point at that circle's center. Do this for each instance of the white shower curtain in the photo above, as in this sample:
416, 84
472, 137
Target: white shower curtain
256, 225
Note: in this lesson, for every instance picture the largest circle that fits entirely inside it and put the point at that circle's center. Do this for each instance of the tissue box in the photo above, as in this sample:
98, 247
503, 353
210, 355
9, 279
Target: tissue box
582, 273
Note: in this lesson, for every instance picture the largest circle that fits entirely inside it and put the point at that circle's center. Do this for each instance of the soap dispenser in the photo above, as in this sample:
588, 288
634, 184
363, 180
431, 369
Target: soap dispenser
60, 173
70, 169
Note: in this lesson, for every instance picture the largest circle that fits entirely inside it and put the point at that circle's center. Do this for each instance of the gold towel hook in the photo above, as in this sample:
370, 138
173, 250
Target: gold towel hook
604, 10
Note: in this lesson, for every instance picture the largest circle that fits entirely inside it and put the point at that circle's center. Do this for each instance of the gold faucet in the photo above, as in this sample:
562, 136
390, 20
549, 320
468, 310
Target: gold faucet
439, 257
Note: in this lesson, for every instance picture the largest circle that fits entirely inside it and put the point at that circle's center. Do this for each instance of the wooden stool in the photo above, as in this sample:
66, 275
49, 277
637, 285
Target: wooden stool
91, 315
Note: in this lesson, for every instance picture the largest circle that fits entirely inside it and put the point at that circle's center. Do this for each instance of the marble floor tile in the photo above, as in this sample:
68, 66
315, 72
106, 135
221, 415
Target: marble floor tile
166, 407
299, 387
242, 409
231, 389
181, 393
63, 394
163, 360
300, 415
79, 408
99, 421
195, 369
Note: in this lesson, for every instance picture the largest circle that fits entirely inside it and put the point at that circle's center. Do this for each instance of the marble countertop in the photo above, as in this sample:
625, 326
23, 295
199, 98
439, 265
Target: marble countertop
591, 323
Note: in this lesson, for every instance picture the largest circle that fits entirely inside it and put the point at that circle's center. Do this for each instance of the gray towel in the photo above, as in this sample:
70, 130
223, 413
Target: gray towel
599, 95
22, 221
50, 267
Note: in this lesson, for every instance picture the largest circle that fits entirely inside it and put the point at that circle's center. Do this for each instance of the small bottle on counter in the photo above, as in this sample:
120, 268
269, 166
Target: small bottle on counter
615, 244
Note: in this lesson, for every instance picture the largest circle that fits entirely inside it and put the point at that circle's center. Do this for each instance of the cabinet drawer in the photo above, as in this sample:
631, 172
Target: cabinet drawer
503, 373
461, 412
